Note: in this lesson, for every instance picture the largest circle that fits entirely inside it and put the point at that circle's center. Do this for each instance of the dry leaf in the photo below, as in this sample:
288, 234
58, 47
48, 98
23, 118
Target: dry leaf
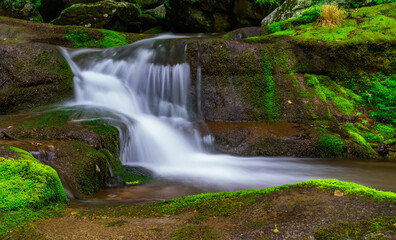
338, 193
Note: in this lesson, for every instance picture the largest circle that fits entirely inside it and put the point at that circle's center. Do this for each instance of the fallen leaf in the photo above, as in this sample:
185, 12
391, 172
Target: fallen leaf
338, 193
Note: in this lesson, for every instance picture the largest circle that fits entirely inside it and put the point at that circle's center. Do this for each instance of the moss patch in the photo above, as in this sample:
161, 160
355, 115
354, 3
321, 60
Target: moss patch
26, 183
331, 146
376, 228
94, 38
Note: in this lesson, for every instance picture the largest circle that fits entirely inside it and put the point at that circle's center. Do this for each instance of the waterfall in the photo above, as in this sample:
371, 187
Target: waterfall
146, 86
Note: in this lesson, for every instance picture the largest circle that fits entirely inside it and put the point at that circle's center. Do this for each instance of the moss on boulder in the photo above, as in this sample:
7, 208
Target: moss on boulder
106, 14
27, 183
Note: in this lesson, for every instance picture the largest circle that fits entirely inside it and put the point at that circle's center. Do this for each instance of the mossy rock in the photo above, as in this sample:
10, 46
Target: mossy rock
27, 183
22, 9
106, 14
33, 75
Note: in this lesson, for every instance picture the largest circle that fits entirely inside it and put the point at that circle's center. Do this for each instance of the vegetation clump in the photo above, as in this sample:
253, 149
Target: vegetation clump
331, 15
331, 146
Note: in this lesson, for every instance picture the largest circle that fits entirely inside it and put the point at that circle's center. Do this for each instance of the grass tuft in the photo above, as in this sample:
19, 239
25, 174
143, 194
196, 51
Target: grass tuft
331, 15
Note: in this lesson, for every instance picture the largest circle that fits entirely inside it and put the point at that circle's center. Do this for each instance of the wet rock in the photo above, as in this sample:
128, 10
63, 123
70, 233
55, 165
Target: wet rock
147, 4
160, 11
382, 149
22, 9
106, 14
33, 75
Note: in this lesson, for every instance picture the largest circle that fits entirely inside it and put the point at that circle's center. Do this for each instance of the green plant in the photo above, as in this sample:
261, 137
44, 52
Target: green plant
382, 97
388, 131
276, 229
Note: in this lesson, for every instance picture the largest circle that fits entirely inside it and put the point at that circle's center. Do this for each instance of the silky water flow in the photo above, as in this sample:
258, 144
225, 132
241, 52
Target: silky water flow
145, 90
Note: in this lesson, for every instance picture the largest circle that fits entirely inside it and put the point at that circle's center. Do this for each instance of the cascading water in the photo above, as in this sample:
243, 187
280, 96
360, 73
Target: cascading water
146, 87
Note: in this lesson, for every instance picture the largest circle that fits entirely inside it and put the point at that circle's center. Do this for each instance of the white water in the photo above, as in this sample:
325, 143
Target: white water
145, 89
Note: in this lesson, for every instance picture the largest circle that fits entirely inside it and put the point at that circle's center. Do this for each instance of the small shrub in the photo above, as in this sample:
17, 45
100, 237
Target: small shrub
331, 15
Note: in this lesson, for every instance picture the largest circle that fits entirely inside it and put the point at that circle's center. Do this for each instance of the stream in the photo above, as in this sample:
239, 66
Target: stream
144, 89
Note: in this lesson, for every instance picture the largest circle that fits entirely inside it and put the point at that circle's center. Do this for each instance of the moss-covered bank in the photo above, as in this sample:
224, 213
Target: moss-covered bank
296, 211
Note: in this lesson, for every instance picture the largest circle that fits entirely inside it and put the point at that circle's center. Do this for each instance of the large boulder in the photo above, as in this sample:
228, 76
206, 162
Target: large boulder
219, 16
32, 75
108, 14
22, 9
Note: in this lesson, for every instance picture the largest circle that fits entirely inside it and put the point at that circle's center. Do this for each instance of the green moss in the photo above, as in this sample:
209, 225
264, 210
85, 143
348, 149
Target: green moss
331, 146
21, 154
308, 16
390, 141
197, 232
387, 131
229, 203
374, 24
379, 93
90, 167
261, 90
57, 118
373, 138
343, 99
363, 148
375, 228
92, 38
26, 183
348, 188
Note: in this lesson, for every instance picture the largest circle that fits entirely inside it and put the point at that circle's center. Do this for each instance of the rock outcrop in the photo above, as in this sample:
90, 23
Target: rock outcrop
219, 16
